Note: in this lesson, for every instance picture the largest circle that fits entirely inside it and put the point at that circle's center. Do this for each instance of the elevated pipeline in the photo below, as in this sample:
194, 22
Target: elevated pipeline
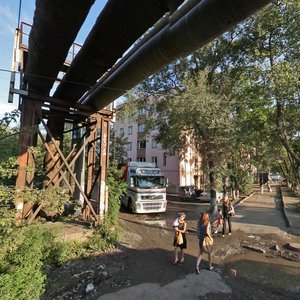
195, 28
55, 26
118, 26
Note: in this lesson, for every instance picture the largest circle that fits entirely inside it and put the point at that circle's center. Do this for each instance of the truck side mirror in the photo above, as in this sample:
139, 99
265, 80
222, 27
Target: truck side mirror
131, 181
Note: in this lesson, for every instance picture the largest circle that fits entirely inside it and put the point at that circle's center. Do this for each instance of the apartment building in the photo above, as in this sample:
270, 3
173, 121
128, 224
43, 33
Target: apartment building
185, 170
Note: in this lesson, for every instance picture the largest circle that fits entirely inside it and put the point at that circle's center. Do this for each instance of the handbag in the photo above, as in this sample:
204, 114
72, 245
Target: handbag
231, 209
209, 241
207, 244
179, 239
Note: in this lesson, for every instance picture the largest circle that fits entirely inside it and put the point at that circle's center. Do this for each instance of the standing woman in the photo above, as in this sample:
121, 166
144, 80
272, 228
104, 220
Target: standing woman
203, 233
180, 238
227, 213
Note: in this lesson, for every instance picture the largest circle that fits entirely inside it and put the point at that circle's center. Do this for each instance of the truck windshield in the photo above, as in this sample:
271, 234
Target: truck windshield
151, 182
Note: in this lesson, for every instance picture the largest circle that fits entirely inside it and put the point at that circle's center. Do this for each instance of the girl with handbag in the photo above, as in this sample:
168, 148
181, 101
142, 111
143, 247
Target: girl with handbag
205, 240
228, 212
180, 238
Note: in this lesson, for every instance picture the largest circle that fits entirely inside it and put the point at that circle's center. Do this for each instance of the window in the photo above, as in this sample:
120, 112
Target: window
153, 108
143, 111
121, 132
141, 127
165, 159
129, 159
142, 144
141, 159
154, 159
129, 146
129, 130
154, 144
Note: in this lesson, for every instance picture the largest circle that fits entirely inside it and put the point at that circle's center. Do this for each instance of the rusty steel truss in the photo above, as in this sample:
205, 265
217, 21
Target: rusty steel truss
82, 171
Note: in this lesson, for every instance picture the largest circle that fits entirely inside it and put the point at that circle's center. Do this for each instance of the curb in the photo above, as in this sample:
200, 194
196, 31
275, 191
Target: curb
172, 195
288, 221
240, 201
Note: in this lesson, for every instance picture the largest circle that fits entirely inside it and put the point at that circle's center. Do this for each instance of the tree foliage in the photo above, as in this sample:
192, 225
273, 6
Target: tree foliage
252, 81
8, 154
116, 188
117, 149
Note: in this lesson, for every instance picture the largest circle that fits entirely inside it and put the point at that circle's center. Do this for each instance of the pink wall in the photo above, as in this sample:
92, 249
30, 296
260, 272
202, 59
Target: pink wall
178, 172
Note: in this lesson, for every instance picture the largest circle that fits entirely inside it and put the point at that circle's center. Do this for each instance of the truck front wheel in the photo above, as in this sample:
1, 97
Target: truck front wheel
130, 206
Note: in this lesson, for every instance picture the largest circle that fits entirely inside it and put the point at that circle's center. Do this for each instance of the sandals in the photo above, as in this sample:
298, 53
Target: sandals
178, 262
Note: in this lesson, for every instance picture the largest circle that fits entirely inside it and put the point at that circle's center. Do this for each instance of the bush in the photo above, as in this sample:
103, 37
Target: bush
52, 200
116, 188
24, 252
22, 256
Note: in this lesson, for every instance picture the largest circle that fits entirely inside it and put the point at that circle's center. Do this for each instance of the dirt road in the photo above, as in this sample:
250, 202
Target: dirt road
142, 266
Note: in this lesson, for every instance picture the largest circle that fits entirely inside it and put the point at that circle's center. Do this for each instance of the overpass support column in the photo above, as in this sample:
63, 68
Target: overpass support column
30, 111
79, 167
97, 163
104, 159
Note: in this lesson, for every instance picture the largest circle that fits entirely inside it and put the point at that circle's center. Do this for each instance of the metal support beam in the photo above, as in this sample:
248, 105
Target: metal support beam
57, 171
78, 141
53, 161
104, 158
87, 202
28, 138
91, 156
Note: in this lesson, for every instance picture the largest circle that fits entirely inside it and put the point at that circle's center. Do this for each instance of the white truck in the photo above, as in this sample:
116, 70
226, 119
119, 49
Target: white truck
146, 188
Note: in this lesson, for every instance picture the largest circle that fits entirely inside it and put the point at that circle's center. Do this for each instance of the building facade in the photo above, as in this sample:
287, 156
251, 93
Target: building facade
179, 169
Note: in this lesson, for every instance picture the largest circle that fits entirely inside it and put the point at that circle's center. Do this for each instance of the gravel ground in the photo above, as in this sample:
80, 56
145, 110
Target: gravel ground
144, 255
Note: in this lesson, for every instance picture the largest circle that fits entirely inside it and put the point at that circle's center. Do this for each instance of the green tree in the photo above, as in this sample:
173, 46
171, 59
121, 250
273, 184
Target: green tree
271, 84
8, 155
117, 149
253, 71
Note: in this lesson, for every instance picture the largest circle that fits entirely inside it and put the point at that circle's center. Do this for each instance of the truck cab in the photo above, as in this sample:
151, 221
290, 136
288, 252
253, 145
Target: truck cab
146, 188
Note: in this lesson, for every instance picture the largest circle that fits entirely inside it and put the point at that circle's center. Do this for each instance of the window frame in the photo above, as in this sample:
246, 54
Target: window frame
142, 143
129, 131
141, 127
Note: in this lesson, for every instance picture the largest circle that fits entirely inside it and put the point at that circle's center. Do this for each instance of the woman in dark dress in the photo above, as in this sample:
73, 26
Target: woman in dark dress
227, 213
180, 244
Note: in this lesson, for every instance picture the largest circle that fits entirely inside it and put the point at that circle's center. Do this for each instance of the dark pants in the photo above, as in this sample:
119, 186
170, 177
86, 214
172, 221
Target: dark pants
226, 219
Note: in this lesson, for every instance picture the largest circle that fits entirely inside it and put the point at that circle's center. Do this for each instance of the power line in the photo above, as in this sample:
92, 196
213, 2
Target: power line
76, 82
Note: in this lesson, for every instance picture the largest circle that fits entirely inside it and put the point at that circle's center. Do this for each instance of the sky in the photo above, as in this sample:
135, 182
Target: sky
9, 10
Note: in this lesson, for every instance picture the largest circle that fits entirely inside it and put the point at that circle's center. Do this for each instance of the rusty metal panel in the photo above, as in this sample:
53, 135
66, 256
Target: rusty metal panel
28, 138
91, 156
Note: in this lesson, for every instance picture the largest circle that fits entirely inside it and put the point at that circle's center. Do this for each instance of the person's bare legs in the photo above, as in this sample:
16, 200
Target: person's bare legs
175, 256
182, 256
210, 267
198, 261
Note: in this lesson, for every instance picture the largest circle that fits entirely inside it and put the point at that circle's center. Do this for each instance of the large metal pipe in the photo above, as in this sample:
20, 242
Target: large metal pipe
118, 26
55, 26
205, 21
